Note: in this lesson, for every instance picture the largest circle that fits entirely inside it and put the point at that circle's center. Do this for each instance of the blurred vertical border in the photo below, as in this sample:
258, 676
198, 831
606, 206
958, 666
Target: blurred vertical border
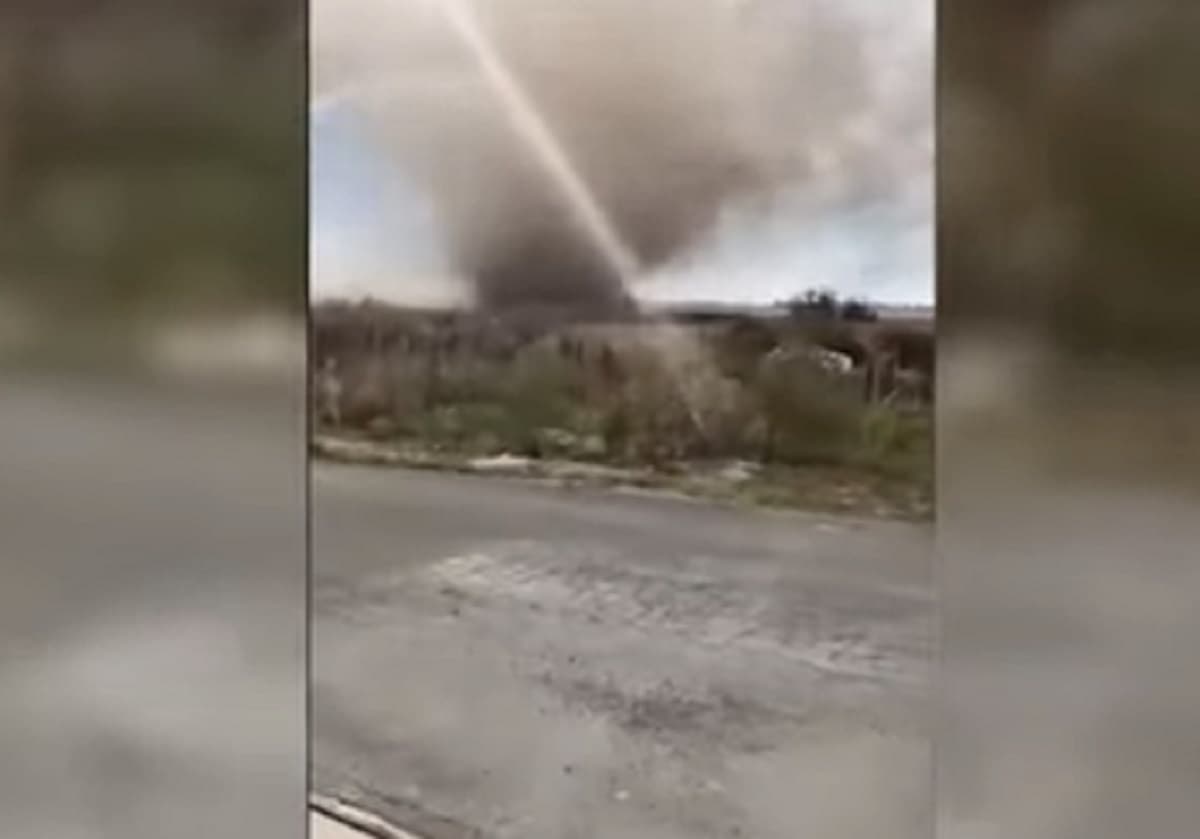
153, 483
1069, 417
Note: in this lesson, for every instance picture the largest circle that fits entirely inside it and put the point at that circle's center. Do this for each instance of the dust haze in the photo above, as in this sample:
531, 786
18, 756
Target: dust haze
670, 111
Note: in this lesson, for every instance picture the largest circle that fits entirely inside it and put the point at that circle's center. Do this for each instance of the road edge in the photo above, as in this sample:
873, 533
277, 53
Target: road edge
569, 474
358, 819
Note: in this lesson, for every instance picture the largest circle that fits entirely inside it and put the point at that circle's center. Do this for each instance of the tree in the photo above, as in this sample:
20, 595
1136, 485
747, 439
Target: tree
858, 310
814, 303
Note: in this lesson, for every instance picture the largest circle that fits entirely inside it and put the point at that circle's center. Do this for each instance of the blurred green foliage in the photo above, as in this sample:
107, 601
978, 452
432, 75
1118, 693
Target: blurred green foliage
1067, 173
154, 157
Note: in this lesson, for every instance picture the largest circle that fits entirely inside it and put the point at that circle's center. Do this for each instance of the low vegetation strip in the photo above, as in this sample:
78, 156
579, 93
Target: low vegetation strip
747, 411
815, 489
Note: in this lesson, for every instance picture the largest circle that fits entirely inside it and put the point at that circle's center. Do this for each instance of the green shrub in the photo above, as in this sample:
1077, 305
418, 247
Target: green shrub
810, 417
897, 443
669, 403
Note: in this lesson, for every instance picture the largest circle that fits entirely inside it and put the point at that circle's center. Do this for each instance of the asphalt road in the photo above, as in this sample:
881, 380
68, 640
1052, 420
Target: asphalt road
501, 659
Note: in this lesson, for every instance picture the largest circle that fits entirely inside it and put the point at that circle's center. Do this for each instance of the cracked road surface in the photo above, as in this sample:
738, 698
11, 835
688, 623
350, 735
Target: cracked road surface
502, 659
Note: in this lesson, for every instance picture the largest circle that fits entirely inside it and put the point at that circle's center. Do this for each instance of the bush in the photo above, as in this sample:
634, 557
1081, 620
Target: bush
810, 417
644, 402
897, 443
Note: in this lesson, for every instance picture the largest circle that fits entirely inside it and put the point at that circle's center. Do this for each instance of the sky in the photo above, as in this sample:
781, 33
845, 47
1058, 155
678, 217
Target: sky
372, 234
375, 234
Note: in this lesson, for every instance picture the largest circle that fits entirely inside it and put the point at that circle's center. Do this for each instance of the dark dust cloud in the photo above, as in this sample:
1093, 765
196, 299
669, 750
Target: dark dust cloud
669, 111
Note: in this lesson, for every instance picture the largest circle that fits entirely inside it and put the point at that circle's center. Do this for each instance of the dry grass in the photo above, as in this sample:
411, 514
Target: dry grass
639, 400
